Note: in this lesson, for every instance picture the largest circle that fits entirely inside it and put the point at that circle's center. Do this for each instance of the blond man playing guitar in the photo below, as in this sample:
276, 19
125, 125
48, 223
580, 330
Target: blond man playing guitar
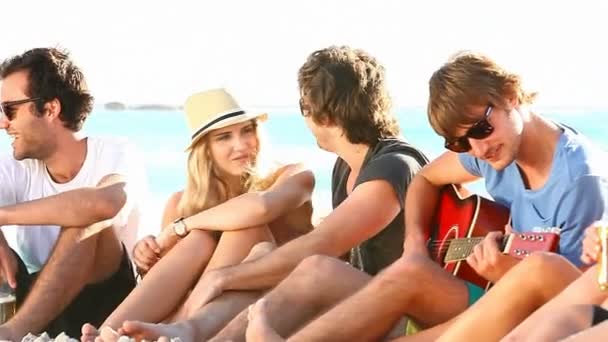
547, 174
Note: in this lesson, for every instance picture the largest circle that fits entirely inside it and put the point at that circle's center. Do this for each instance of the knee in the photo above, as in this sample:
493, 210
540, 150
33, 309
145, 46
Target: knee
76, 235
317, 267
543, 264
77, 240
407, 268
261, 248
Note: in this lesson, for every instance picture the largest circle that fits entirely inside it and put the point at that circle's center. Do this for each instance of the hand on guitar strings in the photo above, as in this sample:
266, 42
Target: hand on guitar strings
487, 259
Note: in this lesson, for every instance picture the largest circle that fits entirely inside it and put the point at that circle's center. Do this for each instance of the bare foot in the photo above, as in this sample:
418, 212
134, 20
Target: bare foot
258, 328
89, 333
107, 334
7, 334
160, 332
92, 334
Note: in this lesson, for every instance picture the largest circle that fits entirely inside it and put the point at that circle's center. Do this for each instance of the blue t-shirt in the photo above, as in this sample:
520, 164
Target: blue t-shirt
574, 196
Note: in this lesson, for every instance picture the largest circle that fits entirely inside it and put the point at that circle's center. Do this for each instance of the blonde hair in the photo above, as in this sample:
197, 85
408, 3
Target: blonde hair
470, 79
204, 186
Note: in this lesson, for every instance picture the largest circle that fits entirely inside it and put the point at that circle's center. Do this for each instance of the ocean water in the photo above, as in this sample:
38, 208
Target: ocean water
161, 137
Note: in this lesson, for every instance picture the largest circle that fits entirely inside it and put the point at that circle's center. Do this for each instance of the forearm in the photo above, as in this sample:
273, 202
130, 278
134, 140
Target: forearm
76, 208
241, 212
271, 269
420, 205
167, 239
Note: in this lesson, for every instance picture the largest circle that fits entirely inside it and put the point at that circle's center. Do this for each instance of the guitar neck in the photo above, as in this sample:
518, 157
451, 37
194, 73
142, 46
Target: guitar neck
460, 249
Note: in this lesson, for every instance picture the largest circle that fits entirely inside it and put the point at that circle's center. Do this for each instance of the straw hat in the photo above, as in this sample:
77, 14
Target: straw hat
213, 109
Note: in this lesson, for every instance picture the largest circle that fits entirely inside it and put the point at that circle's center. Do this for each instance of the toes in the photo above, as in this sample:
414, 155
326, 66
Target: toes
107, 334
259, 308
88, 329
250, 314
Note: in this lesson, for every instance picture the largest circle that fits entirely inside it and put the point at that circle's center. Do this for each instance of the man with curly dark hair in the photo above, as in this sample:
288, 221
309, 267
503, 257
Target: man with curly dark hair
346, 106
549, 176
60, 191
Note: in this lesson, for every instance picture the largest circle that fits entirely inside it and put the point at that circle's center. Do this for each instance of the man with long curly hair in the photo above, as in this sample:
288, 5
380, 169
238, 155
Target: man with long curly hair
345, 104
549, 176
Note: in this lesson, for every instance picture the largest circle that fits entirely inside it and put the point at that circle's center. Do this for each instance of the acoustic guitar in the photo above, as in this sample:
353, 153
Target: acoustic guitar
462, 220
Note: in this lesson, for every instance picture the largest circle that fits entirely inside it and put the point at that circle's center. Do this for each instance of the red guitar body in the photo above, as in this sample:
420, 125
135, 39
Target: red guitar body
459, 216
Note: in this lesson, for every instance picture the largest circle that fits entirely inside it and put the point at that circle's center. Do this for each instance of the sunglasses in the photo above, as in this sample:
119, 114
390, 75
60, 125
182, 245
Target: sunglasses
7, 108
480, 130
304, 110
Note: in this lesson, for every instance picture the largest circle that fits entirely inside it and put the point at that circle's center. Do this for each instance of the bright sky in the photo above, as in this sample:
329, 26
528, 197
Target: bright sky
140, 51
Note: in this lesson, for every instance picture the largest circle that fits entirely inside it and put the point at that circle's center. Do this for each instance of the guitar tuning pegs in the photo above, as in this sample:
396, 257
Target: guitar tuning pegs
522, 236
540, 238
531, 237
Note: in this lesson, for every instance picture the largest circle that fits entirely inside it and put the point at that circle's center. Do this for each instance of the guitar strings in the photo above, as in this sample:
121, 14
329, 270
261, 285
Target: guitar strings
457, 240
446, 244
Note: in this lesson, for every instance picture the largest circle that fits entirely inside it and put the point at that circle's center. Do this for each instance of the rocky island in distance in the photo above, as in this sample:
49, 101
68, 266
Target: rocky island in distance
121, 106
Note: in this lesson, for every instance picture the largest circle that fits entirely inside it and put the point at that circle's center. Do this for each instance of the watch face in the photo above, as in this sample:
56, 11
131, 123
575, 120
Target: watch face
180, 228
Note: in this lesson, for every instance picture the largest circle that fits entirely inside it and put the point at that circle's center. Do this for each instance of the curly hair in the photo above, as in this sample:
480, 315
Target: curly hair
466, 80
346, 87
52, 75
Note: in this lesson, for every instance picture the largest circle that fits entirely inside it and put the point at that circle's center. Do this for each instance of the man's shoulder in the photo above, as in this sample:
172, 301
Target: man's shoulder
581, 157
396, 150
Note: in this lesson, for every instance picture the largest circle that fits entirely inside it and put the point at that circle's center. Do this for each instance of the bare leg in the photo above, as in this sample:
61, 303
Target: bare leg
208, 320
570, 321
412, 286
317, 283
521, 291
565, 322
388, 296
597, 333
73, 264
232, 249
548, 320
170, 279
258, 329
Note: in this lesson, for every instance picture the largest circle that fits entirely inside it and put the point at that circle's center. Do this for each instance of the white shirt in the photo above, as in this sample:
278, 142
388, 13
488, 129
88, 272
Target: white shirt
28, 179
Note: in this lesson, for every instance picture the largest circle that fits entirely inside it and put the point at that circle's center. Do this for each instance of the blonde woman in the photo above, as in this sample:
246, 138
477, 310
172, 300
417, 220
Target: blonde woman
225, 210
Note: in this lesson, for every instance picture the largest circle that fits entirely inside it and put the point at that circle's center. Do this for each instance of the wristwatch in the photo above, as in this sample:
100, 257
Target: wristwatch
179, 227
